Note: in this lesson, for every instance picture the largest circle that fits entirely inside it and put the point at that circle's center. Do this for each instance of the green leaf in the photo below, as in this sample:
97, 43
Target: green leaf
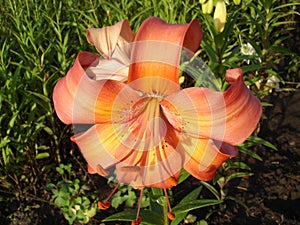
238, 201
157, 192
260, 141
202, 222
195, 204
266, 104
237, 175
91, 212
149, 217
211, 189
62, 199
239, 165
42, 155
183, 176
178, 218
249, 152
50, 186
191, 196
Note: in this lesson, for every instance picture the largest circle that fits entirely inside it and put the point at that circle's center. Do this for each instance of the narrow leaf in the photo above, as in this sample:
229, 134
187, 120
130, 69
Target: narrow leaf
42, 155
195, 204
149, 217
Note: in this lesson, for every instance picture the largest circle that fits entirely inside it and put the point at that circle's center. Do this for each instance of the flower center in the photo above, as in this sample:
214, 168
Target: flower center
146, 127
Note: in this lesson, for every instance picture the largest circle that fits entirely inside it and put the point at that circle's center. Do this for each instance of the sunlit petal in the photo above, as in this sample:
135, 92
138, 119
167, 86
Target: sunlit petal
158, 50
108, 39
205, 156
230, 116
112, 69
113, 43
79, 99
143, 149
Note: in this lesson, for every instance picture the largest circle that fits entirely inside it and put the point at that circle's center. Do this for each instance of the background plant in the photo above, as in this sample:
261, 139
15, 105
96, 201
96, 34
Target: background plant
39, 42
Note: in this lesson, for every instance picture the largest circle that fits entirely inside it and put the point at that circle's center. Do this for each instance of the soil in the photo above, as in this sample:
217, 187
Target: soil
272, 194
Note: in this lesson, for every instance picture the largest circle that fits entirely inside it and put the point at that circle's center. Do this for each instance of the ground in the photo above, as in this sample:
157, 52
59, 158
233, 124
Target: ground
272, 194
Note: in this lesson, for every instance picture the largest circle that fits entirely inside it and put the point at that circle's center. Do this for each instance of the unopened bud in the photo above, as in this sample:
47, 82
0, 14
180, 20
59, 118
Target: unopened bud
236, 2
207, 7
220, 16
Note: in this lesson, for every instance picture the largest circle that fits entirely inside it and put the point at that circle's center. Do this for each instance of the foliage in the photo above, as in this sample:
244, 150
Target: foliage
70, 196
39, 42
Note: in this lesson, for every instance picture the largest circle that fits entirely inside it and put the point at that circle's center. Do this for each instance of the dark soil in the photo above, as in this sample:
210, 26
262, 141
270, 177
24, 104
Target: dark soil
272, 194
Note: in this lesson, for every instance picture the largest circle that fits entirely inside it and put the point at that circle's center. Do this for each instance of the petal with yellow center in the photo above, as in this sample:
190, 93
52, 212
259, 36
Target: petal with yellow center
81, 100
143, 148
230, 116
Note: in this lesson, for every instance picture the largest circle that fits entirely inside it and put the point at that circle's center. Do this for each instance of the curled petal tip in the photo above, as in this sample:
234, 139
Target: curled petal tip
106, 39
91, 170
101, 171
233, 74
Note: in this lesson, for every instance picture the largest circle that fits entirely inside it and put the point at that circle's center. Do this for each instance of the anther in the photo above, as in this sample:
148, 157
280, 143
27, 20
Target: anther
137, 221
103, 205
106, 204
171, 215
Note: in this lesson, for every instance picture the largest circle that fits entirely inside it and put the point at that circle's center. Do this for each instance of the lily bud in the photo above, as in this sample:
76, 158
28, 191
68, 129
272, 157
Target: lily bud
207, 7
220, 16
236, 2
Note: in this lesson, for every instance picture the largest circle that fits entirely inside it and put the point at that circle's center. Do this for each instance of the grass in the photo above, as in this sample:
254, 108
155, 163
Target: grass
40, 40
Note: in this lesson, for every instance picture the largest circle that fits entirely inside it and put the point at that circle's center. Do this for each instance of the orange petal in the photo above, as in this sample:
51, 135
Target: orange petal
91, 170
81, 100
108, 39
230, 116
203, 157
142, 148
65, 90
157, 51
158, 167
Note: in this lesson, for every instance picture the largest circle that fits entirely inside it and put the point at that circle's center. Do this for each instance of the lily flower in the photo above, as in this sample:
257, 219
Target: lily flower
146, 128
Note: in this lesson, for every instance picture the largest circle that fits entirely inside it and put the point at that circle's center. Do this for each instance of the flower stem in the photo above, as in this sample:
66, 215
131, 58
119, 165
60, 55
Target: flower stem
166, 210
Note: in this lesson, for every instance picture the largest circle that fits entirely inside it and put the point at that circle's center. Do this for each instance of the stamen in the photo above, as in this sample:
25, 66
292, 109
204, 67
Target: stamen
103, 205
171, 215
167, 197
130, 169
138, 219
106, 204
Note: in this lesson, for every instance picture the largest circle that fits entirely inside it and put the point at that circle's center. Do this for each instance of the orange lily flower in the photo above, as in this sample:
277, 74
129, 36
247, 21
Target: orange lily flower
142, 124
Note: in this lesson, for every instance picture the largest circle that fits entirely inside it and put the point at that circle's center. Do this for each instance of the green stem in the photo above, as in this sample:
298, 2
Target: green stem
165, 210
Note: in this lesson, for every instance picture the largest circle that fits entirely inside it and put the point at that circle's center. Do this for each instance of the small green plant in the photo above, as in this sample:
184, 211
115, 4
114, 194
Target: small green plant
156, 212
70, 196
